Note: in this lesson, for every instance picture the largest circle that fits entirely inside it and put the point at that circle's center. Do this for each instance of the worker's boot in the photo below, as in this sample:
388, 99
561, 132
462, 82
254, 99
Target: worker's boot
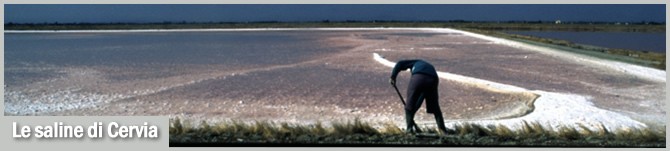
440, 123
409, 120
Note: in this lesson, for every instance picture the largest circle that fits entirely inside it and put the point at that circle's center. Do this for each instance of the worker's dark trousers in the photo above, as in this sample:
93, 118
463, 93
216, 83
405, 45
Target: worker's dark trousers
422, 87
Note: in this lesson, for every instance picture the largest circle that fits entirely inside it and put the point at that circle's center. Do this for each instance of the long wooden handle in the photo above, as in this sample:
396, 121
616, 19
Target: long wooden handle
400, 95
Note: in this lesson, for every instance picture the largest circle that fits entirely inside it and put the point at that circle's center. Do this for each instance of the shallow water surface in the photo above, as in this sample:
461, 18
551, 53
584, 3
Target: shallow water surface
291, 75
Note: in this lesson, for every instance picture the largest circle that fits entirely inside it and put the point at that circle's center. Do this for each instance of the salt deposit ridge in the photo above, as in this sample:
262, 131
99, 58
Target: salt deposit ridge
552, 110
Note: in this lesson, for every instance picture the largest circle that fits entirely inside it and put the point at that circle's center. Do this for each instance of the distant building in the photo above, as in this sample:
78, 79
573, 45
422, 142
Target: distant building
557, 22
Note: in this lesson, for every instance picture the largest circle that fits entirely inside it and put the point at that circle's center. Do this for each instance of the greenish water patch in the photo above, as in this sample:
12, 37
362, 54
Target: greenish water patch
597, 54
644, 58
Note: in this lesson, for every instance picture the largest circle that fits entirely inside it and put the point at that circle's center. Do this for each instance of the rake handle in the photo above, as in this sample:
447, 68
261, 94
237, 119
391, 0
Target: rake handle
403, 103
400, 95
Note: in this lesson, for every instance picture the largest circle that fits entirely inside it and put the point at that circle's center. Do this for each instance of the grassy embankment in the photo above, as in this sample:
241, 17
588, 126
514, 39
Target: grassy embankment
357, 133
645, 58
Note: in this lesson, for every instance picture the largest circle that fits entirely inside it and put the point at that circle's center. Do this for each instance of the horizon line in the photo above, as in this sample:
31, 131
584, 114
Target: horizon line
345, 21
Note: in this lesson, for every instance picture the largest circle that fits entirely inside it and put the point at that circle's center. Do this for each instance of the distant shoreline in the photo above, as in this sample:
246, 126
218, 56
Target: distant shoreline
644, 58
459, 25
197, 30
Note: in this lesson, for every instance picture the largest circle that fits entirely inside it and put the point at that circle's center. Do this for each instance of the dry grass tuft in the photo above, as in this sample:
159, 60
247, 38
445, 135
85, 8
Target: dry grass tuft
391, 129
356, 131
355, 127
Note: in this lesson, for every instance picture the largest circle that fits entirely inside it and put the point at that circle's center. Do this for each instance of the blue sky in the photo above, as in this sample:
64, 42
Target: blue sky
101, 13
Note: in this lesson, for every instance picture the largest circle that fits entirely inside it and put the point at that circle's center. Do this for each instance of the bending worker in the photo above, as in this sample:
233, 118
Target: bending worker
423, 84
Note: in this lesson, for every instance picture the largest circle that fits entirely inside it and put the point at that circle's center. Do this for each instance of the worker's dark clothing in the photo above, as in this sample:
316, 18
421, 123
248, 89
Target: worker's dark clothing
422, 85
417, 66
